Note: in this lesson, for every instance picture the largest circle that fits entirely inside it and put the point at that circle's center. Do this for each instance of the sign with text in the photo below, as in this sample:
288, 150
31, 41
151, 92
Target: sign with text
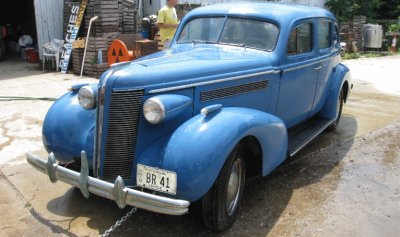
74, 23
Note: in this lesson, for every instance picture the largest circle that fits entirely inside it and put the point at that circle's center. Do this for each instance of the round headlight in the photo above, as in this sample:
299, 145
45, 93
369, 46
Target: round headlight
87, 97
154, 110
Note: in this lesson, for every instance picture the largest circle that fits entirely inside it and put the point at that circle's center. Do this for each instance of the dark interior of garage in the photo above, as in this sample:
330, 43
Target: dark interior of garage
17, 18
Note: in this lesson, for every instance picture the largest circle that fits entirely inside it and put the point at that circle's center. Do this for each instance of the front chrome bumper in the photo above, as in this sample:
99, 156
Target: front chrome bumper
118, 192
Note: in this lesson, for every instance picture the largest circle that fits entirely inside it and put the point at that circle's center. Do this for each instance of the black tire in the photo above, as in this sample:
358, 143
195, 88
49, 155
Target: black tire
2, 49
221, 204
339, 108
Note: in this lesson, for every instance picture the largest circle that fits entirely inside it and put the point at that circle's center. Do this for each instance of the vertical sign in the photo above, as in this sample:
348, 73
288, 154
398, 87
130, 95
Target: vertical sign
74, 23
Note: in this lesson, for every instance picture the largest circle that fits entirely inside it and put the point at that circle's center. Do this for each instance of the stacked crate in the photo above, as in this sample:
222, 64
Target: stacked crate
95, 70
108, 14
77, 56
96, 56
128, 19
358, 23
115, 17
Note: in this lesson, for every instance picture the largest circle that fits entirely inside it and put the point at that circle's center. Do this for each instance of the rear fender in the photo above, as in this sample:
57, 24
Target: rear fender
198, 149
340, 79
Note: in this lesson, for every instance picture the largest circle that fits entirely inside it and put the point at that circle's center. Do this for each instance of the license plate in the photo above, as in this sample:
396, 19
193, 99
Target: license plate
156, 179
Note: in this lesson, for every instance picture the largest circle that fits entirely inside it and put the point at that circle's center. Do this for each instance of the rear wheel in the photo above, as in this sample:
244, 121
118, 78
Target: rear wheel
339, 108
220, 205
2, 49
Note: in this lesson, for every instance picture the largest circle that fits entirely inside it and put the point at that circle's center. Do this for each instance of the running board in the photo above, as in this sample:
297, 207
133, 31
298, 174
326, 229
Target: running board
300, 136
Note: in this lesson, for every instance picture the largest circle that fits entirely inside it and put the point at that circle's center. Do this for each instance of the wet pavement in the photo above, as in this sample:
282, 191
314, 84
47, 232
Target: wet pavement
345, 183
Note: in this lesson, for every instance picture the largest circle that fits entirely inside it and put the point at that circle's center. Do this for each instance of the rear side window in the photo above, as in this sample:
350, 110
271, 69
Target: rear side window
336, 37
324, 34
300, 40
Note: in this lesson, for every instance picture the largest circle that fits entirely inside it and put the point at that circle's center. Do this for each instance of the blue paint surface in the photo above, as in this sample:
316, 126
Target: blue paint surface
262, 95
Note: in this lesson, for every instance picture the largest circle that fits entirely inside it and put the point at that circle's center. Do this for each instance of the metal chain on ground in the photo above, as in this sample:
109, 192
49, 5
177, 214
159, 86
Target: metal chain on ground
119, 222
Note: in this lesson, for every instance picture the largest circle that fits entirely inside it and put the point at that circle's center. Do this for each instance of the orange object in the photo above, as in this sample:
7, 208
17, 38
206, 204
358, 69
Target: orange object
118, 52
32, 55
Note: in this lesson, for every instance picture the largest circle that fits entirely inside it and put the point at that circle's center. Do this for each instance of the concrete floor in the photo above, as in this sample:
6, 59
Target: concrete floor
345, 183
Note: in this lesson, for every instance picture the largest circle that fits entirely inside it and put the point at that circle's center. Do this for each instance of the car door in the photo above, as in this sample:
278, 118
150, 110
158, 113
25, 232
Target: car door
299, 66
328, 57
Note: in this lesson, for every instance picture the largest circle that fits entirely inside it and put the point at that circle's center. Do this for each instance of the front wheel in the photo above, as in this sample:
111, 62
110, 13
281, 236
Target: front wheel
339, 108
221, 203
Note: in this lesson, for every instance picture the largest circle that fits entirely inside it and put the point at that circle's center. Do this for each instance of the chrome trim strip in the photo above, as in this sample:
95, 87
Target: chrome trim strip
309, 64
99, 131
299, 67
326, 59
118, 192
126, 90
173, 88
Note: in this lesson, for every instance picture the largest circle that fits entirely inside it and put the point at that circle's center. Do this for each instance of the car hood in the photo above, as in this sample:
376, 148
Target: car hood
192, 64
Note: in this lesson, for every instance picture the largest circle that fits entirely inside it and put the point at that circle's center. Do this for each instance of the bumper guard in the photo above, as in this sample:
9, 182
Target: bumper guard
118, 192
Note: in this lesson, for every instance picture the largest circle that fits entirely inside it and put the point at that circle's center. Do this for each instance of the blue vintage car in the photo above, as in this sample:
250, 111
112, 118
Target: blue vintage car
242, 88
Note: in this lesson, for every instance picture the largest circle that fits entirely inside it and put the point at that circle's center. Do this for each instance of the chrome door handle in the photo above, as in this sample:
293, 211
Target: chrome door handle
318, 67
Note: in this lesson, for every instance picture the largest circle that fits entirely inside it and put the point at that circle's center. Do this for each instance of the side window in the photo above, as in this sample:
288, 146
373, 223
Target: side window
300, 40
336, 37
324, 34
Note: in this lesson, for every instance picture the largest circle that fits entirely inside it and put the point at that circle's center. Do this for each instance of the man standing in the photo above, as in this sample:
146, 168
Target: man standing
167, 21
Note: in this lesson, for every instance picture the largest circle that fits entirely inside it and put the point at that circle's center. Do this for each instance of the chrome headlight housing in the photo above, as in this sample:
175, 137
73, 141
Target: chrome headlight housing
154, 110
87, 97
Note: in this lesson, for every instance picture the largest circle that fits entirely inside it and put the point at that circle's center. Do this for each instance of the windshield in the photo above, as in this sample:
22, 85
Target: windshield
231, 31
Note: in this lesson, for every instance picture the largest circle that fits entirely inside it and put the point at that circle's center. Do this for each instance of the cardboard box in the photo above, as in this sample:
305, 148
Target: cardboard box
79, 43
145, 47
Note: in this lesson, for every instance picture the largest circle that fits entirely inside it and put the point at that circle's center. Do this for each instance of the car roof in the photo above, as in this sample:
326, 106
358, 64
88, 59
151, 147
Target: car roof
281, 13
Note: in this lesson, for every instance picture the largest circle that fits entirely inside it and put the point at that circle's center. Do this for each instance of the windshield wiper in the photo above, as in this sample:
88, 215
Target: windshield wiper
233, 44
202, 42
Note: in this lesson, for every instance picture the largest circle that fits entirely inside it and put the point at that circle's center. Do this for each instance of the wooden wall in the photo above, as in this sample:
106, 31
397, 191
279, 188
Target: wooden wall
49, 21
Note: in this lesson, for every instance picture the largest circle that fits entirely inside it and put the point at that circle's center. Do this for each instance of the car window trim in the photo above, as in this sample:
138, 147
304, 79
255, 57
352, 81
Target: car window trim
302, 22
226, 17
322, 19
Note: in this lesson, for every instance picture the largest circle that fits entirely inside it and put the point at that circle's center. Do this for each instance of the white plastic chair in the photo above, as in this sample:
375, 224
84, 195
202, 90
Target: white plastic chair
52, 50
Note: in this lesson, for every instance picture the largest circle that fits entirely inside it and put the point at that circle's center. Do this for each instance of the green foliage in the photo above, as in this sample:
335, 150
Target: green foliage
372, 55
366, 8
394, 27
346, 9
354, 55
343, 9
389, 9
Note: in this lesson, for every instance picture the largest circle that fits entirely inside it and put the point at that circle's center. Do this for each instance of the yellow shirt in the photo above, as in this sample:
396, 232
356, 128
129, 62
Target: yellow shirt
167, 15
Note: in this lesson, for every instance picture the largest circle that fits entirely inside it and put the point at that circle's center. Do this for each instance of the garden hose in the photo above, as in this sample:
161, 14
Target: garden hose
11, 98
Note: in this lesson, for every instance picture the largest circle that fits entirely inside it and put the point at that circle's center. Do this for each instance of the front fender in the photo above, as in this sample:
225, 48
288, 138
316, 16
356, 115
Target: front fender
340, 78
198, 149
67, 128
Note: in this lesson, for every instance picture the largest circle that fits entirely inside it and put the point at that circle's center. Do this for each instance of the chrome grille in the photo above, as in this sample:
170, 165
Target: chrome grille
123, 120
98, 131
233, 90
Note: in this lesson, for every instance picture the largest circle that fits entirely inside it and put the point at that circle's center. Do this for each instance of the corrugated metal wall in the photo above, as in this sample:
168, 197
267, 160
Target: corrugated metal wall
49, 21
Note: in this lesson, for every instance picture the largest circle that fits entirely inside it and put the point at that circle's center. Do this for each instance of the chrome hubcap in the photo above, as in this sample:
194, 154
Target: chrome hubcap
235, 181
338, 107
